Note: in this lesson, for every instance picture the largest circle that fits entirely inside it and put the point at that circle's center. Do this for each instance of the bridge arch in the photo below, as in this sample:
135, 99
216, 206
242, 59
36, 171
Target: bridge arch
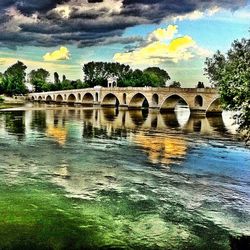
88, 99
71, 98
138, 101
198, 101
110, 100
124, 98
214, 106
39, 98
32, 98
155, 100
171, 101
59, 98
48, 98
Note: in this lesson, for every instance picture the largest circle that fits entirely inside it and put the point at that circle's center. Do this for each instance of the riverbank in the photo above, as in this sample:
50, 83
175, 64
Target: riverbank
11, 102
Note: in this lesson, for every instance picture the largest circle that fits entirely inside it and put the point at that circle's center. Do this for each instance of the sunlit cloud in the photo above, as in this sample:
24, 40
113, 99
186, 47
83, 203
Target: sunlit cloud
163, 34
61, 54
182, 48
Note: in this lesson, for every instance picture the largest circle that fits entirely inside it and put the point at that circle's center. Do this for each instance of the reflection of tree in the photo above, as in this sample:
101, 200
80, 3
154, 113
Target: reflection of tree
38, 120
88, 130
15, 124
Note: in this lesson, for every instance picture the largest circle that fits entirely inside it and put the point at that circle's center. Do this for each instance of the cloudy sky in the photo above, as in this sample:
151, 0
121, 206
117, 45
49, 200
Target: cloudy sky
177, 35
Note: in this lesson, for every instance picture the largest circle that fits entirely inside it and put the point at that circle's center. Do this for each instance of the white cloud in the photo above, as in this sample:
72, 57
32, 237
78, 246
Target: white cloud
197, 14
105, 8
61, 54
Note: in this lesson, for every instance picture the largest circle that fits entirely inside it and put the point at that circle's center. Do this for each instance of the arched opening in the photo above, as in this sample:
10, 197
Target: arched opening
110, 100
88, 99
96, 97
138, 101
71, 98
48, 98
198, 101
40, 98
214, 108
124, 98
32, 98
59, 98
79, 97
155, 100
172, 102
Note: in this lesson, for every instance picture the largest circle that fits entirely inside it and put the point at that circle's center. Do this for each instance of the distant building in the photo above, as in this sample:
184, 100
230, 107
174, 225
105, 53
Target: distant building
112, 81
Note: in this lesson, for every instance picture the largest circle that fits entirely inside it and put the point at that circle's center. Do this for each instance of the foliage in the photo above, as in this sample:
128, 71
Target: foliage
175, 84
96, 73
200, 85
156, 77
231, 74
38, 79
56, 78
13, 79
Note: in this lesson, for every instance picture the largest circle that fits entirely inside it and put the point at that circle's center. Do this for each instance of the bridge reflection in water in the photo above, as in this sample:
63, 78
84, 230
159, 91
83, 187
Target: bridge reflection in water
163, 137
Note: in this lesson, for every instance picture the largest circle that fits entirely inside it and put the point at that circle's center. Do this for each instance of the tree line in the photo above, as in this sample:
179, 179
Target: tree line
12, 81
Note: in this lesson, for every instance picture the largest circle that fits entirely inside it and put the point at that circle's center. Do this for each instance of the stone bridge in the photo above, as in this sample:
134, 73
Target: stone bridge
199, 100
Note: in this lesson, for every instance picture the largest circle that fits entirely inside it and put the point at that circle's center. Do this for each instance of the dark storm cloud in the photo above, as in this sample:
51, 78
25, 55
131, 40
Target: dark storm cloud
88, 22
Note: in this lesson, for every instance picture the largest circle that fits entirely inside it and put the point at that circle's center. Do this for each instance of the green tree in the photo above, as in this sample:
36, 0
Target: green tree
38, 78
14, 78
230, 73
175, 84
96, 73
1, 83
156, 77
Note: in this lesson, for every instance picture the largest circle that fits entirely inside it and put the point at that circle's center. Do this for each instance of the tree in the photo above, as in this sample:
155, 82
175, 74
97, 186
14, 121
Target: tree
175, 84
14, 78
200, 85
56, 78
96, 73
230, 73
1, 83
156, 77
38, 78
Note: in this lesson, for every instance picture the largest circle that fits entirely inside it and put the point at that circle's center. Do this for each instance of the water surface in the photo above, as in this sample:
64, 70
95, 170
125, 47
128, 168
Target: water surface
76, 178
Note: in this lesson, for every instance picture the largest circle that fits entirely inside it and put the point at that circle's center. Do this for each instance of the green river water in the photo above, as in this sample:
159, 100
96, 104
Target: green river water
77, 178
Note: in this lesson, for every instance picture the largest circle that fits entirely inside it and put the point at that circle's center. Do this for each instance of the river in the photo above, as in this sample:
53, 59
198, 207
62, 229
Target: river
84, 178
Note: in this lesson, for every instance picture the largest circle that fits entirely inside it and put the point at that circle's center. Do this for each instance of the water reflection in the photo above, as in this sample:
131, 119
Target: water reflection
15, 123
134, 124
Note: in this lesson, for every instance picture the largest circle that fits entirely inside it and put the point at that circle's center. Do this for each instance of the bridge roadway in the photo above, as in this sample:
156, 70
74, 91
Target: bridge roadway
199, 100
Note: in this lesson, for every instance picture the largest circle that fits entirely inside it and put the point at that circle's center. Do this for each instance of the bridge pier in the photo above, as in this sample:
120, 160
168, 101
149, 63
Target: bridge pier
198, 112
123, 107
